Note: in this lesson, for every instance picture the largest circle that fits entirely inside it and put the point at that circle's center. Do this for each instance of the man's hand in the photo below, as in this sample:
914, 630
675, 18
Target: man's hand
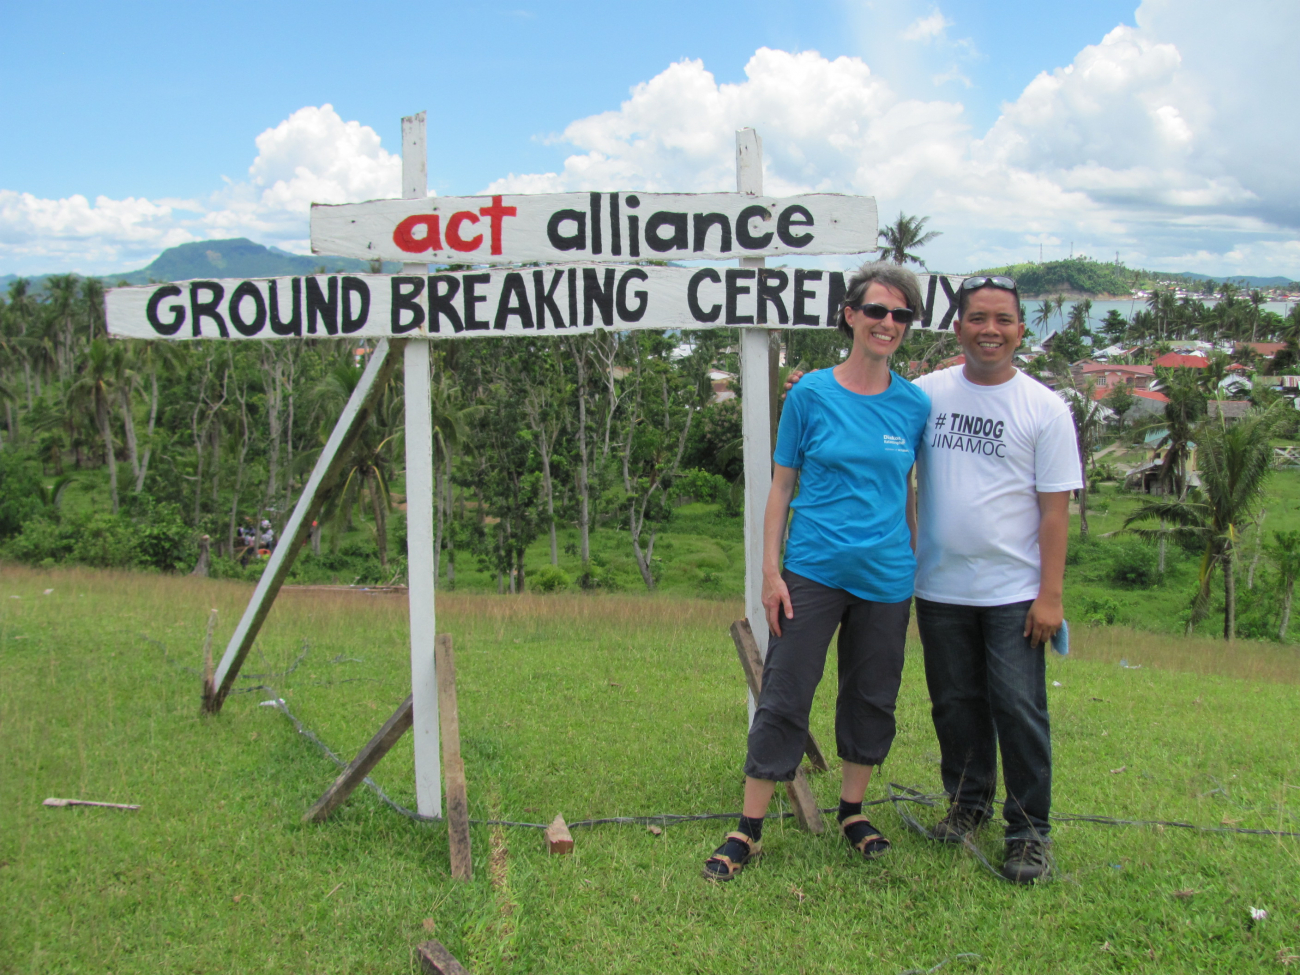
793, 378
1043, 620
776, 597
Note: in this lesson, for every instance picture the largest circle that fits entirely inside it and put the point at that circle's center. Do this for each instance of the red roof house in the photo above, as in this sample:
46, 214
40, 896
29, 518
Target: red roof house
1175, 359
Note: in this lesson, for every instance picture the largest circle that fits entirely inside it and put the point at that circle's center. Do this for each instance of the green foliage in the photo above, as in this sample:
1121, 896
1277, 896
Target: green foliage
20, 492
549, 578
1098, 611
152, 537
1133, 564
1080, 275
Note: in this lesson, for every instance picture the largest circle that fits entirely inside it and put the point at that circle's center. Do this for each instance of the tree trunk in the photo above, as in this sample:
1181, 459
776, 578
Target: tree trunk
438, 508
205, 557
1230, 598
584, 485
106, 431
128, 423
273, 395
148, 447
550, 497
642, 558
1286, 608
451, 534
1161, 549
381, 517
1259, 538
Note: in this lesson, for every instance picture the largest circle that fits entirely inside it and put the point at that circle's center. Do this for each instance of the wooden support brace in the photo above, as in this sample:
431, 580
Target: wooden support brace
357, 770
437, 960
324, 478
558, 837
453, 767
802, 800
747, 650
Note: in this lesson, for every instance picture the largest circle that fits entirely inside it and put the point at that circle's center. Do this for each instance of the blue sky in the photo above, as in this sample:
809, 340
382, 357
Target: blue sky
155, 108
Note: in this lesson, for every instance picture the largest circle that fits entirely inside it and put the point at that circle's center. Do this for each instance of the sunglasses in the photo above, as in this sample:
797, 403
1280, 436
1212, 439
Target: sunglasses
983, 281
904, 316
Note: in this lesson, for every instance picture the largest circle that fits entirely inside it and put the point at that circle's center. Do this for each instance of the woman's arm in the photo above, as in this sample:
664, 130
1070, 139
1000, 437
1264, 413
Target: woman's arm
911, 505
775, 594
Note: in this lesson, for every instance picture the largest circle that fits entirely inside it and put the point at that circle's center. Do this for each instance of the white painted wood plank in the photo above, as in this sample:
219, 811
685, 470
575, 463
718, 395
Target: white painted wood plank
584, 227
490, 303
419, 513
323, 476
756, 429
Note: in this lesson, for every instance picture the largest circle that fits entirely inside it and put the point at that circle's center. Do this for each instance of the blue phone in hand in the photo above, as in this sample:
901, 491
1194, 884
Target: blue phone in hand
1061, 642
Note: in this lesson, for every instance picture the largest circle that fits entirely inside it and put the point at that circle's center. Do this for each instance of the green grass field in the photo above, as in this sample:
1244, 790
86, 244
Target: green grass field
593, 706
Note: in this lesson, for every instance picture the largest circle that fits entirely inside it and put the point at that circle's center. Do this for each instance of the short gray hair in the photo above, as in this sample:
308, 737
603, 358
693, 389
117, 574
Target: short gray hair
891, 276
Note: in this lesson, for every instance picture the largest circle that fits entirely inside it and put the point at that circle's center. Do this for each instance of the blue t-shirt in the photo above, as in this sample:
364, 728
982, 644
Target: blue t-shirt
853, 453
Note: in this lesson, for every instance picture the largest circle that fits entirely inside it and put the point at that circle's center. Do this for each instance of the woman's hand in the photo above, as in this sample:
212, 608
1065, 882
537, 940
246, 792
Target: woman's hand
776, 597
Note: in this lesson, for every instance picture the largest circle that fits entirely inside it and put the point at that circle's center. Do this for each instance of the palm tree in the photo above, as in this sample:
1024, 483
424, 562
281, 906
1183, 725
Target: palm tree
1059, 302
902, 236
1235, 462
1043, 315
1285, 551
1087, 415
97, 387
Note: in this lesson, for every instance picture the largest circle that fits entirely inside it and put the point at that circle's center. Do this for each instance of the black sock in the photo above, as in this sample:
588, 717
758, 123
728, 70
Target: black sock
751, 826
848, 809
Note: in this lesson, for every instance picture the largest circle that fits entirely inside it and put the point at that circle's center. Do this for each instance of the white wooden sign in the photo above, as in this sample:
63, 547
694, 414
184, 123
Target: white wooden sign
584, 227
496, 302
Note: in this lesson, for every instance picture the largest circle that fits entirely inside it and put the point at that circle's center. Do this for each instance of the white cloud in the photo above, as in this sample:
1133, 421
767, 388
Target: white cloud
1167, 141
926, 29
312, 156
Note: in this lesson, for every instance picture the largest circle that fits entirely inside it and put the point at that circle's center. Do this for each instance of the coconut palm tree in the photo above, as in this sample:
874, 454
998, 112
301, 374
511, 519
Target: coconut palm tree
101, 371
1235, 461
1043, 315
902, 236
1285, 552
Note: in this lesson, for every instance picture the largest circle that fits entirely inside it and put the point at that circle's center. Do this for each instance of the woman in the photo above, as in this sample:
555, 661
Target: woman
848, 437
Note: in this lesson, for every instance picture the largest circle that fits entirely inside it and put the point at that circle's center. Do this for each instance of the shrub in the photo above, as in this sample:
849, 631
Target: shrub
1098, 612
1134, 564
549, 578
21, 492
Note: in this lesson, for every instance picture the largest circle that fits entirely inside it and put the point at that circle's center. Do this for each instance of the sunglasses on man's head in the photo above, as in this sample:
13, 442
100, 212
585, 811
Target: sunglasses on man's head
904, 316
985, 281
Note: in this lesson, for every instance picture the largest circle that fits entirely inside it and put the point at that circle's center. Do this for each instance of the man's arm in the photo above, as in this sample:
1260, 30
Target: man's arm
1045, 615
911, 505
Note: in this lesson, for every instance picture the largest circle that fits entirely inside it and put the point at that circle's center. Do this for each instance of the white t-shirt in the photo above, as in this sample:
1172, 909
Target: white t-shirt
988, 451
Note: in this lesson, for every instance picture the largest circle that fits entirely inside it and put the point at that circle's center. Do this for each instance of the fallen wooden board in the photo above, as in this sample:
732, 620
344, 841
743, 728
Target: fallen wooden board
802, 800
352, 776
558, 838
437, 960
453, 767
86, 802
750, 661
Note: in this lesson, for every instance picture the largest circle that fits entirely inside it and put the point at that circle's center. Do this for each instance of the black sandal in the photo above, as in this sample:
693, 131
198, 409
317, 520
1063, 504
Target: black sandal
871, 844
727, 867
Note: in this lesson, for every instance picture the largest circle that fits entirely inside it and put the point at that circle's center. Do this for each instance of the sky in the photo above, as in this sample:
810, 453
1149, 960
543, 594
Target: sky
1157, 131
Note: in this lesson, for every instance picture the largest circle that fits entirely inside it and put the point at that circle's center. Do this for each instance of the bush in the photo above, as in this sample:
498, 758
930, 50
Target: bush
698, 485
21, 492
1098, 612
1134, 564
549, 578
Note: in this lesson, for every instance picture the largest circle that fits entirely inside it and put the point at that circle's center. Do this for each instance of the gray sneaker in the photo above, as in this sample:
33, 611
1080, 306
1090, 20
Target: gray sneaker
1027, 861
957, 824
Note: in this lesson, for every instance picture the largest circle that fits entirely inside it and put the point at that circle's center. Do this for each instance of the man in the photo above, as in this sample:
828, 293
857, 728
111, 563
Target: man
994, 478
993, 484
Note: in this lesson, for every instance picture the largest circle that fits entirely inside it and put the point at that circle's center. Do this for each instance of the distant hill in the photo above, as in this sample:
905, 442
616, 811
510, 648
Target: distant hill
1082, 276
238, 257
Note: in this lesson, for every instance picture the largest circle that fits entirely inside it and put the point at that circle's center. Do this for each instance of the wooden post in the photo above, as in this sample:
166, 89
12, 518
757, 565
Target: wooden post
558, 838
324, 477
357, 770
420, 557
755, 413
802, 800
209, 685
437, 960
462, 867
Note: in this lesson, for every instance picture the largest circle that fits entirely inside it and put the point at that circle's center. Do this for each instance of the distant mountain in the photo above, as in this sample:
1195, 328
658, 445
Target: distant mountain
238, 257
1080, 276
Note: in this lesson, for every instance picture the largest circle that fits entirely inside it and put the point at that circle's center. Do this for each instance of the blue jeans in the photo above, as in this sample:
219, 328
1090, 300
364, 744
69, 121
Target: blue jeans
988, 687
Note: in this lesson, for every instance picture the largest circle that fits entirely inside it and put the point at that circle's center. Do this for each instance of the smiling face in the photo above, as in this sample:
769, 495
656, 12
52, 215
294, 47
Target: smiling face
990, 331
878, 338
